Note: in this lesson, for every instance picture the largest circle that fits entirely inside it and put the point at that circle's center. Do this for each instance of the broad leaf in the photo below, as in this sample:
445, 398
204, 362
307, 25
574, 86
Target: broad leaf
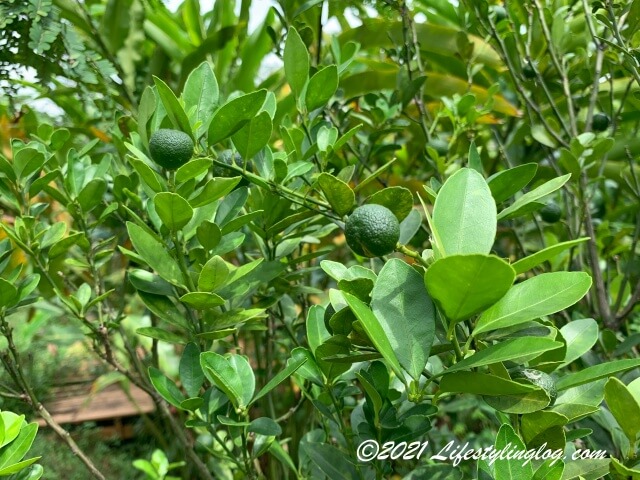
155, 254
166, 387
624, 407
406, 313
191, 374
464, 214
535, 194
463, 285
338, 193
580, 336
506, 183
201, 94
296, 61
174, 211
536, 297
321, 88
527, 263
596, 372
234, 115
251, 138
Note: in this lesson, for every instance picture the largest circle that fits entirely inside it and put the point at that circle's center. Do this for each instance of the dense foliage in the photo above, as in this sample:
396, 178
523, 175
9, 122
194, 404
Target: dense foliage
500, 137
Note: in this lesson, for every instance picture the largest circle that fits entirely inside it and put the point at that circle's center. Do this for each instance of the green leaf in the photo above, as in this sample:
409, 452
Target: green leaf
27, 161
510, 468
406, 313
506, 183
475, 162
213, 275
374, 331
293, 364
234, 115
464, 214
191, 374
265, 426
338, 193
535, 424
512, 349
335, 345
596, 372
482, 384
535, 194
520, 403
331, 461
321, 88
92, 194
580, 336
161, 334
624, 407
11, 425
192, 169
527, 263
166, 387
17, 467
463, 285
232, 374
534, 298
254, 136
202, 300
155, 254
296, 61
164, 309
175, 112
214, 189
316, 330
174, 211
8, 294
397, 199
201, 94
587, 469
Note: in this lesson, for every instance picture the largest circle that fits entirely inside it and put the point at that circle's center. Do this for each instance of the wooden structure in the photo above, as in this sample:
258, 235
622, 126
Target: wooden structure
110, 406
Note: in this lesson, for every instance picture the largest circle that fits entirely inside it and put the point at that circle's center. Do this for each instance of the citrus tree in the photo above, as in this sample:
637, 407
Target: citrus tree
415, 234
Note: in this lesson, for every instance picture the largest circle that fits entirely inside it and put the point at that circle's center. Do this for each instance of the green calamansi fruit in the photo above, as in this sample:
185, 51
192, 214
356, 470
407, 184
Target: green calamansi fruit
551, 212
170, 148
540, 379
529, 71
600, 122
372, 230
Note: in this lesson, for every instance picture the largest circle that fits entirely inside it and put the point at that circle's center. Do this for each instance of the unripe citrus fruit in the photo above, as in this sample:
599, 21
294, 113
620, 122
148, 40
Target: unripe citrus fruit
500, 13
600, 122
170, 148
551, 212
540, 379
372, 230
233, 159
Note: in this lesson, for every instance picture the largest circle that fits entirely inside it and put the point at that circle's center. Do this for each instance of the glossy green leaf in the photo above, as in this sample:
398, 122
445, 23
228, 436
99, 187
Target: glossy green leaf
335, 345
322, 85
375, 331
293, 364
534, 424
464, 285
191, 374
174, 211
596, 372
316, 331
535, 194
92, 194
397, 199
520, 403
296, 61
234, 115
406, 313
536, 297
624, 407
232, 374
202, 300
161, 334
200, 95
166, 387
587, 469
481, 384
338, 193
464, 214
254, 136
527, 263
175, 112
155, 254
580, 336
164, 309
8, 294
265, 426
213, 275
214, 189
512, 349
510, 468
333, 463
192, 169
508, 182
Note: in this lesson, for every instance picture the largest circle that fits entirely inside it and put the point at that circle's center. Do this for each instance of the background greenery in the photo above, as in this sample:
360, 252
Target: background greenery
405, 94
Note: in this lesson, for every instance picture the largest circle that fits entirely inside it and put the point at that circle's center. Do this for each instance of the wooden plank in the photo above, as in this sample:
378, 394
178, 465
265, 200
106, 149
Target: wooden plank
110, 403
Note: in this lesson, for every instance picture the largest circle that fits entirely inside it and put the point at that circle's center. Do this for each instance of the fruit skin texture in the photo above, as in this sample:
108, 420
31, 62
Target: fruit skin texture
170, 148
541, 379
600, 122
551, 212
372, 231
